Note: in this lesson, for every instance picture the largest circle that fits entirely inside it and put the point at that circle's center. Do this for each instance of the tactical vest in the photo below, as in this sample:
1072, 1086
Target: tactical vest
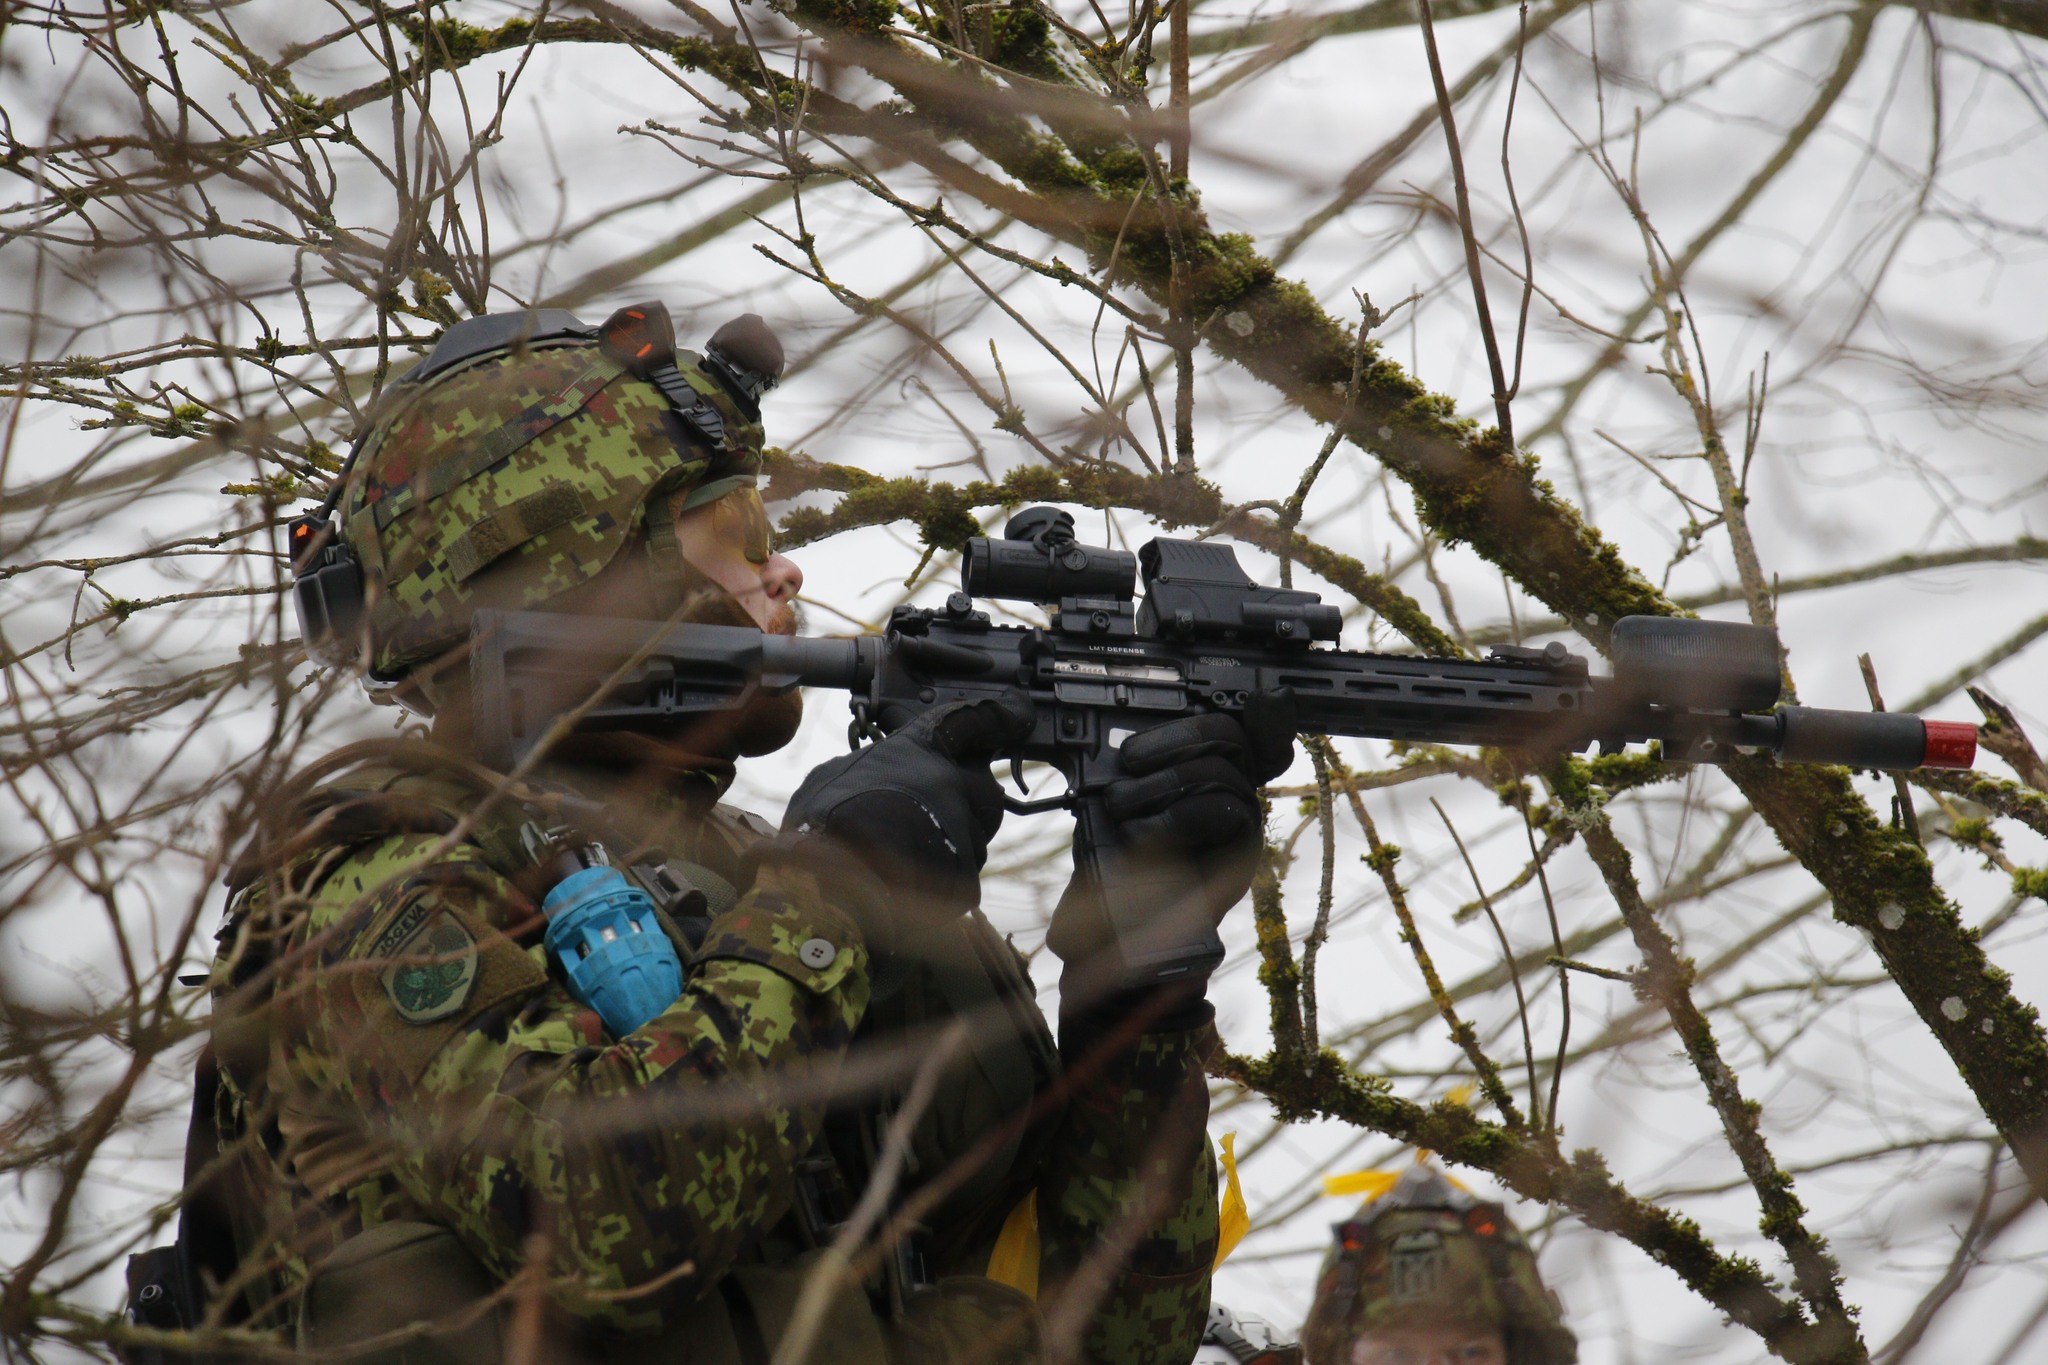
928, 1303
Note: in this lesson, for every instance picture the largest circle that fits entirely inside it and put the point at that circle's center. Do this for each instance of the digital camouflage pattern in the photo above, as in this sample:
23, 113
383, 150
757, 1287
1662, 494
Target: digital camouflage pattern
418, 1069
513, 479
1152, 1093
1427, 1254
511, 1115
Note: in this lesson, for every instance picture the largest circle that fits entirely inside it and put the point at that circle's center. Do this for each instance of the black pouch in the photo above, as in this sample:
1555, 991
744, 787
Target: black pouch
163, 1293
168, 1286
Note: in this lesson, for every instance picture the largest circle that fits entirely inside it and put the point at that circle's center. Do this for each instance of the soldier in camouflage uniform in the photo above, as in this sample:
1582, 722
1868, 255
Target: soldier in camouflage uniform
1427, 1274
457, 1162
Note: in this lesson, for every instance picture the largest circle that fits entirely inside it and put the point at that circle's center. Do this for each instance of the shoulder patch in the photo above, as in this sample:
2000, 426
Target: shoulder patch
431, 965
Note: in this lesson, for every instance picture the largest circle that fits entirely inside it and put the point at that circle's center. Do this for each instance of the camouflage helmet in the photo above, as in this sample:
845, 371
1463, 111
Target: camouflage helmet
526, 453
1427, 1254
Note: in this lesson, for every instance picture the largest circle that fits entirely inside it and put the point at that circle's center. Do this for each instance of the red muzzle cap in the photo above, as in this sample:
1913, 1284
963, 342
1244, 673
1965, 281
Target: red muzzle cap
1950, 744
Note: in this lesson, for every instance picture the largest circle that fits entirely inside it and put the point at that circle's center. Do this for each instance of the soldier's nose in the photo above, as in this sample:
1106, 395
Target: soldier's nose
781, 579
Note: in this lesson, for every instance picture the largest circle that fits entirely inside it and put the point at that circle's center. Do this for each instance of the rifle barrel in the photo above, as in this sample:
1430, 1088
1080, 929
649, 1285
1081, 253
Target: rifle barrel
1891, 740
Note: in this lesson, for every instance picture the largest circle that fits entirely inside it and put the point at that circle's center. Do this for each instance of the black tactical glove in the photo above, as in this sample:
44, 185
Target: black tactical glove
1192, 797
915, 812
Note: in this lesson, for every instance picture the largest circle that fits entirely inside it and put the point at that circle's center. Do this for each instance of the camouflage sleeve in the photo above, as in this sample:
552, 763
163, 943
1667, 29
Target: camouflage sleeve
502, 1110
1127, 1198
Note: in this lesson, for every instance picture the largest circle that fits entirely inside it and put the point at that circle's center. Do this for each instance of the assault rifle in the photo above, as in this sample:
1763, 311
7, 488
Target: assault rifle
1204, 638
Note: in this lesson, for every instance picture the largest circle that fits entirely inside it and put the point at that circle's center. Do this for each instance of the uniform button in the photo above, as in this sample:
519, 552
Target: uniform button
817, 954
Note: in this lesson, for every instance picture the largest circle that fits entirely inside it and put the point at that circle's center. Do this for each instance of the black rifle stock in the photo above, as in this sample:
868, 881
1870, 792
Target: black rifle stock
1204, 638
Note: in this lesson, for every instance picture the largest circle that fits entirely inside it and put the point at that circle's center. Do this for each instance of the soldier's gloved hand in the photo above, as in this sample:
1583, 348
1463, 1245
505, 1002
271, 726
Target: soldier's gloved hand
915, 812
1191, 797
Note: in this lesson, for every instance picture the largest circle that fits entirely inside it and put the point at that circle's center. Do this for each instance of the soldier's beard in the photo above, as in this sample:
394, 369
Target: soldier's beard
771, 722
788, 620
764, 724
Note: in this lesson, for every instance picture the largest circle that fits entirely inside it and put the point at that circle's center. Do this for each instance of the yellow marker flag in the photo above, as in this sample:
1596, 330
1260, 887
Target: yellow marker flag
1233, 1219
1371, 1184
1014, 1261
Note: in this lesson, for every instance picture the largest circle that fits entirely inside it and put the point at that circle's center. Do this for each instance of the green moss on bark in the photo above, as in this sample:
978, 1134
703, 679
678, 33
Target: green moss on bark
1882, 883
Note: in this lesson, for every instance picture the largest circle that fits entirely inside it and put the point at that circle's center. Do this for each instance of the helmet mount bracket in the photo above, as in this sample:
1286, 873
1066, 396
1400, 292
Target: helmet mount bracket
641, 338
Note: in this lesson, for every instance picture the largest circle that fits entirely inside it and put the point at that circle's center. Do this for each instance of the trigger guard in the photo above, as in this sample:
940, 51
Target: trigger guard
1064, 801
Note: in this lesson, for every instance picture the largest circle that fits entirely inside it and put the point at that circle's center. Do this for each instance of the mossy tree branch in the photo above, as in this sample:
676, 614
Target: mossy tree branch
2024, 550
1667, 977
1470, 486
1278, 971
1881, 882
2008, 799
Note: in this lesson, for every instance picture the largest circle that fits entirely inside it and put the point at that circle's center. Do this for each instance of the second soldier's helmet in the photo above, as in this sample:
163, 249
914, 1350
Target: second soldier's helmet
527, 455
1428, 1254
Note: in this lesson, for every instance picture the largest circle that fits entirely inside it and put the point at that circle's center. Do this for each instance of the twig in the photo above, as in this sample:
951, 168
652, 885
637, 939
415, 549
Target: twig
1667, 286
1978, 1234
1564, 981
1445, 114
2003, 735
1572, 964
1990, 659
1507, 175
1290, 513
1847, 63
1382, 858
2026, 549
1177, 99
1902, 798
1319, 754
1361, 179
528, 1291
1277, 970
1507, 960
2009, 799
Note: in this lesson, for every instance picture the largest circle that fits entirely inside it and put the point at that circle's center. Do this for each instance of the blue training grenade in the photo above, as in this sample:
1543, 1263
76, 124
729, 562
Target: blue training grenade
602, 930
